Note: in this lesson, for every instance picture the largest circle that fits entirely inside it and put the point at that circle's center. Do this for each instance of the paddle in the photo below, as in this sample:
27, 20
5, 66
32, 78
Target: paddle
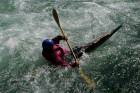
90, 83
57, 21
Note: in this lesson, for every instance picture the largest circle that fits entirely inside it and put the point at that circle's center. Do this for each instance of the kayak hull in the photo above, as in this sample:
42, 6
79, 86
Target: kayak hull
88, 47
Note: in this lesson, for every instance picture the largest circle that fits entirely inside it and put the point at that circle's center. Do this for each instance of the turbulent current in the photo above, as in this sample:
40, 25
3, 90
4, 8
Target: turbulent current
114, 67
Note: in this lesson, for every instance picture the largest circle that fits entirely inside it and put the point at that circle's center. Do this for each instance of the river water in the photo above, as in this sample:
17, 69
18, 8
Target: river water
114, 67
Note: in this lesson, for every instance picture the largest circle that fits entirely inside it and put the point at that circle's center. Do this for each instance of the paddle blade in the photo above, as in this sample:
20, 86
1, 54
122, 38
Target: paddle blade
90, 83
55, 15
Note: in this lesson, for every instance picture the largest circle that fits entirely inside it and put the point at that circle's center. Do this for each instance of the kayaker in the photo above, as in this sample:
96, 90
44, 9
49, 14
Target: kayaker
54, 53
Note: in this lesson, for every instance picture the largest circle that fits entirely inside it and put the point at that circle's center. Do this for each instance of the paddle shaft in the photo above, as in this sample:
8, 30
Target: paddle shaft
68, 44
55, 15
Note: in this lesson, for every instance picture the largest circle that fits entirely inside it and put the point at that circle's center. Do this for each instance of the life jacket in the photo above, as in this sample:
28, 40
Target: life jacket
55, 48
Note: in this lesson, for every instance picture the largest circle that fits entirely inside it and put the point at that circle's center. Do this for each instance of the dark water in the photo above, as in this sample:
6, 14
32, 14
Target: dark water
114, 67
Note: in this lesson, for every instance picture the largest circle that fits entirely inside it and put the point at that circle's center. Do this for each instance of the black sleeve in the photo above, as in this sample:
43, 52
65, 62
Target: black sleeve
57, 39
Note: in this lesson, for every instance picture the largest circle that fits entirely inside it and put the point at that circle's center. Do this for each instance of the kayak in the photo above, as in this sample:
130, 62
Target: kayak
88, 47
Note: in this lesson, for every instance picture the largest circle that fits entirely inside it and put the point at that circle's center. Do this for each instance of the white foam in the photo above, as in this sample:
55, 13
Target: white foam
20, 4
12, 43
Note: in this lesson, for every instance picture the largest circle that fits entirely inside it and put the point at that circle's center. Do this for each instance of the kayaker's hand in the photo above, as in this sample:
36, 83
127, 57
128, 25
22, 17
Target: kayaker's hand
77, 63
65, 38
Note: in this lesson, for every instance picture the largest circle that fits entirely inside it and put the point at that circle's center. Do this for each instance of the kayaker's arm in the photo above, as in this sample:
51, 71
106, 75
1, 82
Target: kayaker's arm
58, 38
